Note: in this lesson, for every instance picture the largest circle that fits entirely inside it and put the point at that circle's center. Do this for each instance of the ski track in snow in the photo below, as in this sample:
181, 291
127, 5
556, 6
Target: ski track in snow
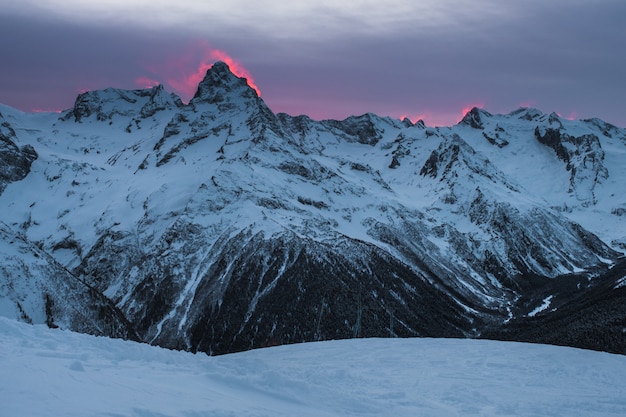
59, 373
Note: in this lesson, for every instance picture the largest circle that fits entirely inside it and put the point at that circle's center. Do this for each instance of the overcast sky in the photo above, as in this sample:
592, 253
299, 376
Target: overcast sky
426, 59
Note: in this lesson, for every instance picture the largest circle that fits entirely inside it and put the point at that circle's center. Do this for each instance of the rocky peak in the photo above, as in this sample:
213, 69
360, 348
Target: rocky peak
407, 122
15, 162
95, 102
605, 128
110, 102
160, 100
583, 156
231, 94
365, 129
473, 118
454, 158
452, 151
221, 85
527, 113
555, 121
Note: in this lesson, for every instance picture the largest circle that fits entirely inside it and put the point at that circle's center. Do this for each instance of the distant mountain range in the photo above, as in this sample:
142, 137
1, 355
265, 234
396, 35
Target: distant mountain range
219, 226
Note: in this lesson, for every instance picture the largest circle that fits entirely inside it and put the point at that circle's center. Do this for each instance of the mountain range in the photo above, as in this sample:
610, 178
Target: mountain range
220, 226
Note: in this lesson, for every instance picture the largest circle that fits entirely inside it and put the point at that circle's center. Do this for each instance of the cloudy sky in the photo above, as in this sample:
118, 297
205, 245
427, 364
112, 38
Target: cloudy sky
428, 59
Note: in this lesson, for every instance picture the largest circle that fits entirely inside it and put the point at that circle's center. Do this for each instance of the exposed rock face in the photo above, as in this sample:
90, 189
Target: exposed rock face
15, 162
219, 226
253, 290
583, 156
363, 129
221, 86
36, 289
104, 105
473, 118
159, 101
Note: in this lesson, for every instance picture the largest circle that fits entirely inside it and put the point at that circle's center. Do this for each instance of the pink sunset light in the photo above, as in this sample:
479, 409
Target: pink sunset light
527, 104
38, 110
183, 73
441, 118
414, 119
146, 82
470, 107
235, 67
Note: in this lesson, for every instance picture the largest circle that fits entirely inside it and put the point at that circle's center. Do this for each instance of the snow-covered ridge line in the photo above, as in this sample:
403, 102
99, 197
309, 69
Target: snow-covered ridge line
219, 226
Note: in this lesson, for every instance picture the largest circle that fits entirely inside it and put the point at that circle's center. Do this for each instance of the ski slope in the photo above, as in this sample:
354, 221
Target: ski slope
59, 373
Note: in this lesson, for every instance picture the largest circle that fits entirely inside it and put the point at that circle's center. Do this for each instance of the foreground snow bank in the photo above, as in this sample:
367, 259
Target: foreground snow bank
59, 373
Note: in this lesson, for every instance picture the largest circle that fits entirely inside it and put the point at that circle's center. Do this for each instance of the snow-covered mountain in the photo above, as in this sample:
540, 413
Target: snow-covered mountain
220, 226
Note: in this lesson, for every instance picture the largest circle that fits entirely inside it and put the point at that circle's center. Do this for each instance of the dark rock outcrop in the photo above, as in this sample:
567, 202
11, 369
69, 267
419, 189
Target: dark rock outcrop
15, 162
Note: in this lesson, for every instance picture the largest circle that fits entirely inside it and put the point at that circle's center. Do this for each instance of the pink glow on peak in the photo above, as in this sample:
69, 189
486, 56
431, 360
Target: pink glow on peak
187, 69
527, 104
146, 82
431, 118
416, 118
188, 84
236, 68
38, 110
468, 108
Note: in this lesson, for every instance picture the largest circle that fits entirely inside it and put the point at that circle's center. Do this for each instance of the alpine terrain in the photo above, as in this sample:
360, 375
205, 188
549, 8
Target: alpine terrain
219, 226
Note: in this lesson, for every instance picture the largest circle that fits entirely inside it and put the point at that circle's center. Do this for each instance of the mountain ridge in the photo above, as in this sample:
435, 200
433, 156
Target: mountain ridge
219, 226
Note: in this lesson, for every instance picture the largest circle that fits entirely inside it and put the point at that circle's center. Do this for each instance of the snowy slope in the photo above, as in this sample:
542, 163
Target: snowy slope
51, 372
219, 226
577, 171
36, 289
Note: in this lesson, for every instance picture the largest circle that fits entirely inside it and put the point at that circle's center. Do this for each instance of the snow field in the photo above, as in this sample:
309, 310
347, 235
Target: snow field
59, 373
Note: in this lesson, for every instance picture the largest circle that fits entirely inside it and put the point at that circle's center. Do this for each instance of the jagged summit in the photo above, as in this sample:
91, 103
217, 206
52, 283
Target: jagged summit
219, 86
474, 118
527, 113
109, 103
220, 83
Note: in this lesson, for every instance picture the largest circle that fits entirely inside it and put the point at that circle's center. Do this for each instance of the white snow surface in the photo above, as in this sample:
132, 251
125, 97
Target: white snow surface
59, 373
